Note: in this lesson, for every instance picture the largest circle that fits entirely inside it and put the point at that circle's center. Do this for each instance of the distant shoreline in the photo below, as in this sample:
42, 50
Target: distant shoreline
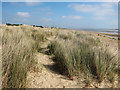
113, 33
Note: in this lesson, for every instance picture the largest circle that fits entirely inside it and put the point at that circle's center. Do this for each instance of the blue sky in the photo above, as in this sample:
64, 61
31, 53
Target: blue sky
78, 15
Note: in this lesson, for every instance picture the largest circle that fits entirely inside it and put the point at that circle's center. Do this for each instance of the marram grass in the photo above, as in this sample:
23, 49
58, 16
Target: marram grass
19, 44
79, 52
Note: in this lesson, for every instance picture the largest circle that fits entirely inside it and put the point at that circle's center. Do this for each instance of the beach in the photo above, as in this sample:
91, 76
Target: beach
58, 58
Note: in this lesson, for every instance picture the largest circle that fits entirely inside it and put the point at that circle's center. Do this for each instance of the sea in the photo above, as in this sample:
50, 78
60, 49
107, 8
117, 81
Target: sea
109, 31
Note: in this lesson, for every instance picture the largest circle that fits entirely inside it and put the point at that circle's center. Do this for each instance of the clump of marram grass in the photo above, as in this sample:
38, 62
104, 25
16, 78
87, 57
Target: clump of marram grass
82, 53
38, 36
17, 58
18, 48
66, 35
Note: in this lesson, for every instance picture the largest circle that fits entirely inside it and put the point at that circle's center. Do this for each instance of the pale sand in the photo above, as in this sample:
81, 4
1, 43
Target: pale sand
45, 77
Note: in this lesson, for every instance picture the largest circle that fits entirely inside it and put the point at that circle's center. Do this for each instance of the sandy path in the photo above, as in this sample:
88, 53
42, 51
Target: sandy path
46, 77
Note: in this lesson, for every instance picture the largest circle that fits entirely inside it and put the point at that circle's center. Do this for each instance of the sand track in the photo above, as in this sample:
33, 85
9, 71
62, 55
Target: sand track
46, 76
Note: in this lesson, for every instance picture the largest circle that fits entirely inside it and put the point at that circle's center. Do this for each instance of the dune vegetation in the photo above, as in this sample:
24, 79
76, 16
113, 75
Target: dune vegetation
19, 45
75, 53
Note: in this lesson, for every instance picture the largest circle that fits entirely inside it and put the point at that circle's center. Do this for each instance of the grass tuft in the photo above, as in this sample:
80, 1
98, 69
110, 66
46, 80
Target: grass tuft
82, 53
18, 51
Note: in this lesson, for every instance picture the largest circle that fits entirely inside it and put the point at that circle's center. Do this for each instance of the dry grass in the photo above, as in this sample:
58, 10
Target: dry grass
77, 53
18, 47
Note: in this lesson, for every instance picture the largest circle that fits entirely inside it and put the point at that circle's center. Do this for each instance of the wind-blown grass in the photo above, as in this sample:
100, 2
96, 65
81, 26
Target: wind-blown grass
75, 53
18, 50
83, 53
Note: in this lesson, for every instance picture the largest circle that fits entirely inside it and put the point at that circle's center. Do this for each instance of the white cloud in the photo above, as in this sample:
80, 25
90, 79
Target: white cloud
72, 17
82, 7
64, 16
98, 10
23, 14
